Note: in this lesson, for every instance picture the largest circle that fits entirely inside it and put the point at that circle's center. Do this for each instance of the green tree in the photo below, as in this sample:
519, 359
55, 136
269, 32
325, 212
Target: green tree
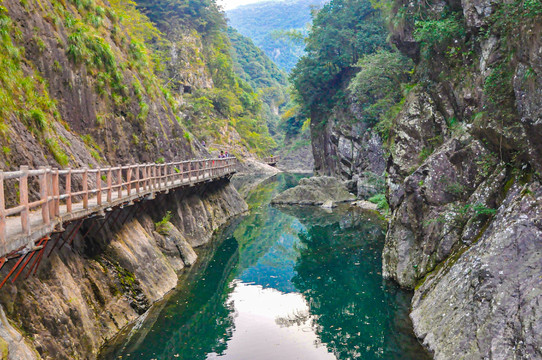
343, 31
376, 87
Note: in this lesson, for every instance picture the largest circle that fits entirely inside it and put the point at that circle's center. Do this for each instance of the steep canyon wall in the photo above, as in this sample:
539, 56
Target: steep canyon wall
463, 176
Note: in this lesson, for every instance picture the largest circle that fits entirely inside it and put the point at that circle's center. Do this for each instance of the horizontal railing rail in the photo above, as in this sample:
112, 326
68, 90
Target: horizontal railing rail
103, 185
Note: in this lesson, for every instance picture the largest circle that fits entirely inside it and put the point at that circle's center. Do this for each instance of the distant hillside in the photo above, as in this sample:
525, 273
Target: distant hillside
252, 65
263, 23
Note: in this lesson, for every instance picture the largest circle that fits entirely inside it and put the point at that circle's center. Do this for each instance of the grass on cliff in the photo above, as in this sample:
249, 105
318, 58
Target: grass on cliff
24, 97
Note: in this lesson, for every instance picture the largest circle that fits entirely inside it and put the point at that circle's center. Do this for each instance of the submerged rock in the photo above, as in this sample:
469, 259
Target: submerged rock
315, 191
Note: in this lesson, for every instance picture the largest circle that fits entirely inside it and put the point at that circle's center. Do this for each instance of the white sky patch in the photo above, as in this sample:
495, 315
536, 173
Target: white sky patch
232, 4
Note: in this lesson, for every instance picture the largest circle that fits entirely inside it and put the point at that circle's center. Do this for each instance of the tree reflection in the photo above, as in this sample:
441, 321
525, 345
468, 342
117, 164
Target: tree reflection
355, 312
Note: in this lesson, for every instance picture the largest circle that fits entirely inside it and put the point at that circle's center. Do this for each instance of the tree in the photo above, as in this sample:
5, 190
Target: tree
343, 31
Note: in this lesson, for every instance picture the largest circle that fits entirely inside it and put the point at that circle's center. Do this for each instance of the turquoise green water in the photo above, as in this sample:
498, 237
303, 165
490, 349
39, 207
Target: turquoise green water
281, 283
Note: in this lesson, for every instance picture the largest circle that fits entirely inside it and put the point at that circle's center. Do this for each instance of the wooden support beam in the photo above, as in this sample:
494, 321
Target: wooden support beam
75, 229
12, 270
40, 243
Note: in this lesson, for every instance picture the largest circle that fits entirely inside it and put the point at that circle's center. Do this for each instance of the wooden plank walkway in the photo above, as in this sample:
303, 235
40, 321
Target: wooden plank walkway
22, 226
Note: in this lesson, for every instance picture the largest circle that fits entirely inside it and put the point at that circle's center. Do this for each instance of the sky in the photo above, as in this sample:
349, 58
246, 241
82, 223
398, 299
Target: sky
231, 4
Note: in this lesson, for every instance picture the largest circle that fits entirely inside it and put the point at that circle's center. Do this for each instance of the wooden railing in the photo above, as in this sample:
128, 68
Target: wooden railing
98, 188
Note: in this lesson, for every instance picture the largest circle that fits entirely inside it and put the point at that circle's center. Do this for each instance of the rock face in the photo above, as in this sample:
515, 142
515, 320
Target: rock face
315, 191
344, 148
296, 155
435, 208
86, 292
91, 127
464, 190
463, 175
485, 302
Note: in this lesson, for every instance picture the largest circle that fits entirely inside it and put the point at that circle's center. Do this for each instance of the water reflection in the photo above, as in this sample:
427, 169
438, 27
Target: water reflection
288, 283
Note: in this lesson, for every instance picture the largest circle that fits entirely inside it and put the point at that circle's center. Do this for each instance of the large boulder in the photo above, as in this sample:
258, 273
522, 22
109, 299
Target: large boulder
315, 191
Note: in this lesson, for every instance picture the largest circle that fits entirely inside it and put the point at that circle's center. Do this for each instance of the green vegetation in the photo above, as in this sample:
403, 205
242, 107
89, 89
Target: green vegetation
343, 32
162, 226
381, 202
436, 36
377, 86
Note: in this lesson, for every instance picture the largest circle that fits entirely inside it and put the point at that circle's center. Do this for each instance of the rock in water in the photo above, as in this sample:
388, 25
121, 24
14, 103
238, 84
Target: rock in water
328, 204
315, 191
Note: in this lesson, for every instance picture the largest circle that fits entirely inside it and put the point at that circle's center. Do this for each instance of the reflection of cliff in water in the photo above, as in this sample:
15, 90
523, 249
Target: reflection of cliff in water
268, 231
194, 320
357, 313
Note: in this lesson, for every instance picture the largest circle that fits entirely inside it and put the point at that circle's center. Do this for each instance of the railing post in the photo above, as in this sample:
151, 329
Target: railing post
146, 177
69, 191
56, 193
119, 179
50, 192
99, 187
161, 167
159, 176
85, 188
129, 179
137, 178
23, 196
2, 213
154, 184
44, 197
109, 184
165, 175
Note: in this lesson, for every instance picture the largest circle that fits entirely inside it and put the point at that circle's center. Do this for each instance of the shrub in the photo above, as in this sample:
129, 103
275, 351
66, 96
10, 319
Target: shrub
381, 202
436, 35
162, 227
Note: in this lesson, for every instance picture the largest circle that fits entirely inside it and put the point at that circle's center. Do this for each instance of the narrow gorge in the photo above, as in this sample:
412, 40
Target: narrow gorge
419, 234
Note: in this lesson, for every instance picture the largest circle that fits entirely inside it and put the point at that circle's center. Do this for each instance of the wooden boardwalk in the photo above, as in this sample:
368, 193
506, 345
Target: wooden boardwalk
25, 226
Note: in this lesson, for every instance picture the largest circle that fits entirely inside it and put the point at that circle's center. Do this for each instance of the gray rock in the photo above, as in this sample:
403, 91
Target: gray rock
434, 206
175, 247
484, 303
370, 184
315, 191
12, 343
344, 148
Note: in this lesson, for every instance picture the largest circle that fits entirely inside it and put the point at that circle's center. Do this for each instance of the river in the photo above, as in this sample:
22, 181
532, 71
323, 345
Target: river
281, 283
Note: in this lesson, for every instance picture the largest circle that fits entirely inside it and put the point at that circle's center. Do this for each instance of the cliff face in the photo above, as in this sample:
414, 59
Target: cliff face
79, 87
85, 293
464, 183
463, 174
86, 96
347, 148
